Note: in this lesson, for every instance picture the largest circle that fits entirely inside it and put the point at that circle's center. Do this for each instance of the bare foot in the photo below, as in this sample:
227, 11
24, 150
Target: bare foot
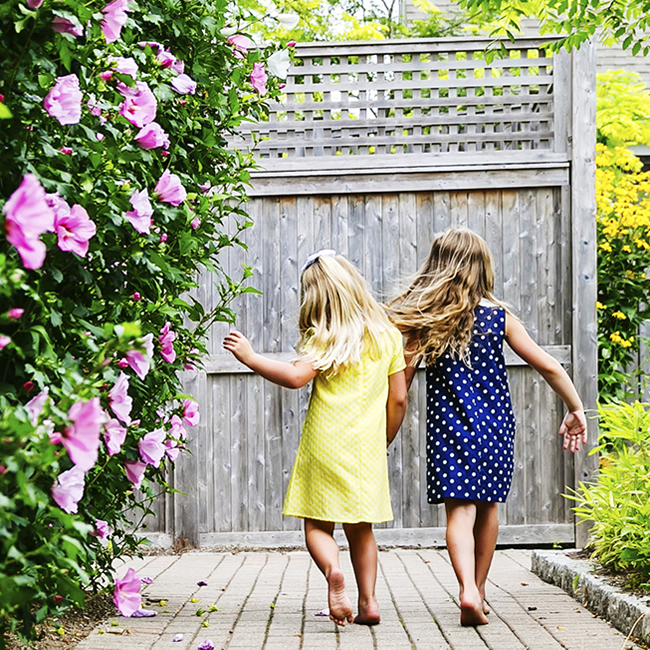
471, 613
368, 614
337, 598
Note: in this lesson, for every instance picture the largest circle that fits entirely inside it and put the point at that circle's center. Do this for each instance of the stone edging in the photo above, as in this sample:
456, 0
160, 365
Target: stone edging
576, 577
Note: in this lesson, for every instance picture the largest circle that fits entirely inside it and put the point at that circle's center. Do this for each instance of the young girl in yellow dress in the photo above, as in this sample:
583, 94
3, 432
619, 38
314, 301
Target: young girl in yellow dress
354, 357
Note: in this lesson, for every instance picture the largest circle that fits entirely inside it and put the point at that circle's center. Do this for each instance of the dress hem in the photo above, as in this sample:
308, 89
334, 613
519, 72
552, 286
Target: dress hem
437, 502
356, 520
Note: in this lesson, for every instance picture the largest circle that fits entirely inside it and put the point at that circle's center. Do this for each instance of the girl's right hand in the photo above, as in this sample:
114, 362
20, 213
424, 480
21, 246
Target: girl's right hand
574, 430
239, 345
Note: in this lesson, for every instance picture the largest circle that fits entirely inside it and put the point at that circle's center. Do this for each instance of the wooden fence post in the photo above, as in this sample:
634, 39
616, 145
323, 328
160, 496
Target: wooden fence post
583, 220
186, 473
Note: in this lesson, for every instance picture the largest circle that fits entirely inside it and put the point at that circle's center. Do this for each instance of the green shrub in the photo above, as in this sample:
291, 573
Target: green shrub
623, 226
108, 295
619, 503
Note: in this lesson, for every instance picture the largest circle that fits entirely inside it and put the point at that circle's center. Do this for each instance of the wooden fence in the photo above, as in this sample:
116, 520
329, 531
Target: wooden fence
376, 147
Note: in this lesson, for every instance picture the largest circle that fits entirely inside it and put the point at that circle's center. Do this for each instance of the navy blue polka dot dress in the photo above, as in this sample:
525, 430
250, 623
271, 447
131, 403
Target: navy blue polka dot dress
470, 422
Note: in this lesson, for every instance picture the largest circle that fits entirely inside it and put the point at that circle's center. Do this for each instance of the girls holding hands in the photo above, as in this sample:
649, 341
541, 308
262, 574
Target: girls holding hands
451, 320
354, 357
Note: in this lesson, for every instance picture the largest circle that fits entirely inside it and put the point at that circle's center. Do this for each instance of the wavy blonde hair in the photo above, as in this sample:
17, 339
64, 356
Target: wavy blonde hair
338, 315
436, 312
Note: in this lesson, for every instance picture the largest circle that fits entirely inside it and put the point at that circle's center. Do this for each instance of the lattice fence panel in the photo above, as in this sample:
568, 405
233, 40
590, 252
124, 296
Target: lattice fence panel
403, 99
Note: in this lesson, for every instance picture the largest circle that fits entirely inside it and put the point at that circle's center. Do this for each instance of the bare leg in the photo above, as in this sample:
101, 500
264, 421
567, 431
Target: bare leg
363, 552
486, 531
324, 550
461, 517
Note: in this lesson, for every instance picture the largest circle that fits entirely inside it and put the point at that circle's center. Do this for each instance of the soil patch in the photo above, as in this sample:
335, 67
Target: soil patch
619, 580
66, 631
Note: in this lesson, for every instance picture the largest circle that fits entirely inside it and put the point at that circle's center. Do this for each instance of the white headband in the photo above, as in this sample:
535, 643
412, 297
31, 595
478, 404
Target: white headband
326, 252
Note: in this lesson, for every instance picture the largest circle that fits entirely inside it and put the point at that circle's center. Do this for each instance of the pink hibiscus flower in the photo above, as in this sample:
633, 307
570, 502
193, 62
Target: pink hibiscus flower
74, 230
140, 216
69, 489
64, 100
27, 217
115, 18
126, 594
120, 401
81, 439
114, 436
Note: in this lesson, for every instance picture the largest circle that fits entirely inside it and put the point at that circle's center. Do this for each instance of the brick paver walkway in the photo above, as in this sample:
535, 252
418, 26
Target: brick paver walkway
269, 600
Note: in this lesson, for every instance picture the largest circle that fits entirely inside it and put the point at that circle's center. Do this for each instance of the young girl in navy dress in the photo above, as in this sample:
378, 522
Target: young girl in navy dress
452, 321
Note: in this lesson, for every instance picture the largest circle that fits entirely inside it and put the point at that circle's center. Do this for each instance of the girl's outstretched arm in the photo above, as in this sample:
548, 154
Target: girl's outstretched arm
395, 405
574, 425
289, 375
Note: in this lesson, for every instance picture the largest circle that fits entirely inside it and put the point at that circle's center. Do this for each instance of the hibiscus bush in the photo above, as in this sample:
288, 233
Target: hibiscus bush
117, 187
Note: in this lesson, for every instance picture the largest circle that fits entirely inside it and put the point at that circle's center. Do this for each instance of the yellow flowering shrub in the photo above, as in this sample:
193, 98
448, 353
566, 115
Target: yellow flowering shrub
623, 223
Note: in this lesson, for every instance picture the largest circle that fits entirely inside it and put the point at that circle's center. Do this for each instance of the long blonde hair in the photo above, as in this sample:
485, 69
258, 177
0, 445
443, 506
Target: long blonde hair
338, 315
436, 312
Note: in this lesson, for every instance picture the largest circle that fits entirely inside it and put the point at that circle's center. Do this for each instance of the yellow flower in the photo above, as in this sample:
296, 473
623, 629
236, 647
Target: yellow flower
606, 247
620, 315
599, 305
627, 249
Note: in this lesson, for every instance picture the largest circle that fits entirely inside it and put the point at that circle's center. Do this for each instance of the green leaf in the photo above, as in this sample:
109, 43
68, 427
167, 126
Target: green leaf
5, 113
66, 56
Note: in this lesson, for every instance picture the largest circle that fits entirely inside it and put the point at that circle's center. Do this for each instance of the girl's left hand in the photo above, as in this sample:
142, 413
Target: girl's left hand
239, 345
574, 430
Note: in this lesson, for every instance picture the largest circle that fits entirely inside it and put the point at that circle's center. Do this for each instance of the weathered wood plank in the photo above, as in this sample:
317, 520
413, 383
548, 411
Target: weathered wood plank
379, 103
225, 364
272, 297
339, 140
239, 451
404, 468
425, 537
380, 84
415, 46
562, 100
220, 425
289, 281
416, 64
494, 235
373, 268
333, 181
380, 162
356, 230
476, 212
286, 129
255, 469
340, 224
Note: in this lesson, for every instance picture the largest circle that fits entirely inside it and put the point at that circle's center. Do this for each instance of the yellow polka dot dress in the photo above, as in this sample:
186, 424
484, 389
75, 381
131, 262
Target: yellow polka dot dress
340, 473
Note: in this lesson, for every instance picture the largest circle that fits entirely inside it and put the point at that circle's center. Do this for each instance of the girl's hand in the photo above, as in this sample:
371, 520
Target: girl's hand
574, 430
239, 345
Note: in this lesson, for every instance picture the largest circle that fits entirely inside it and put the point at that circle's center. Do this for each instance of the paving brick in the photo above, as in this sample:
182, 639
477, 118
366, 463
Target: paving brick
416, 591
